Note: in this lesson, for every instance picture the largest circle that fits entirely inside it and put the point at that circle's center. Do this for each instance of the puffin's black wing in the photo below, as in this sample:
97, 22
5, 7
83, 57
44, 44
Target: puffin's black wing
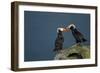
78, 36
59, 42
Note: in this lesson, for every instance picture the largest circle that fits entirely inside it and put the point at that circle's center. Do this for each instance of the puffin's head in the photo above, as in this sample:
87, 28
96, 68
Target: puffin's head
71, 26
62, 30
66, 29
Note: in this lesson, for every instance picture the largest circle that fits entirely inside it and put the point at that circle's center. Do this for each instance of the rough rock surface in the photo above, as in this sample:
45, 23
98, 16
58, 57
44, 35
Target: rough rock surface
76, 51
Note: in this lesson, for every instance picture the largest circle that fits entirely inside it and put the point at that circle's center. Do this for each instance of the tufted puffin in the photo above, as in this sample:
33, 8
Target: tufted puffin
59, 39
76, 33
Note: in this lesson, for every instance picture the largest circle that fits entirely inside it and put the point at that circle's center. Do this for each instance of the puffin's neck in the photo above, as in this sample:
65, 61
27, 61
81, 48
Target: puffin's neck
72, 28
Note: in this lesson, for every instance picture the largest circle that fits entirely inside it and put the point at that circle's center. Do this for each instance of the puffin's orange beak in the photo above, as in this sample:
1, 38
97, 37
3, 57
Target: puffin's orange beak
66, 30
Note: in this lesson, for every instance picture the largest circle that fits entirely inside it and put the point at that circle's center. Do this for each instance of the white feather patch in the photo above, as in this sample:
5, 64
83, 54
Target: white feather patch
61, 29
71, 26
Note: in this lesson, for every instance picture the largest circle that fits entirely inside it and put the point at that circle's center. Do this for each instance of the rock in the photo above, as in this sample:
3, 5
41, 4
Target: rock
76, 51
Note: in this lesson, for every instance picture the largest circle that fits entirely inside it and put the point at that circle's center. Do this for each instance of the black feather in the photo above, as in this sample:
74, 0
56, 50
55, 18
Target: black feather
78, 36
59, 41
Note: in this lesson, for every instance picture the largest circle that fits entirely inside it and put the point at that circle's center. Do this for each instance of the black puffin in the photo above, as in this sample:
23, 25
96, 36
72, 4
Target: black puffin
76, 33
59, 39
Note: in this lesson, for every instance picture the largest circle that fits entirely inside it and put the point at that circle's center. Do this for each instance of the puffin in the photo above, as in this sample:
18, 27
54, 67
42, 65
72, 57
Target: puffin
59, 39
79, 37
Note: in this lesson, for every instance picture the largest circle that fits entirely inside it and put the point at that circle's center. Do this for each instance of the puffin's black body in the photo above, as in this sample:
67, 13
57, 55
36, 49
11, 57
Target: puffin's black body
77, 35
59, 41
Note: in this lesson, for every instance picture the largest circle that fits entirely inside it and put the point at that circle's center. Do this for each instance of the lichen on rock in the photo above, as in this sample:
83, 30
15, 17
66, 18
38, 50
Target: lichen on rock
74, 52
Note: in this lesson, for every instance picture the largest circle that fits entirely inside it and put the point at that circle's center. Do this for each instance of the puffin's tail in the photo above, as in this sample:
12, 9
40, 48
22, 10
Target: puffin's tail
55, 49
84, 40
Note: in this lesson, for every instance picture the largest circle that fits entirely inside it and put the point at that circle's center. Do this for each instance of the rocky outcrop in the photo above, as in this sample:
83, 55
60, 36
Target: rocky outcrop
76, 51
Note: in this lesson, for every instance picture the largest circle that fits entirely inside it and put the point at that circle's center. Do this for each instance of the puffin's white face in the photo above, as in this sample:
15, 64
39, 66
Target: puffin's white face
61, 29
71, 25
67, 29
